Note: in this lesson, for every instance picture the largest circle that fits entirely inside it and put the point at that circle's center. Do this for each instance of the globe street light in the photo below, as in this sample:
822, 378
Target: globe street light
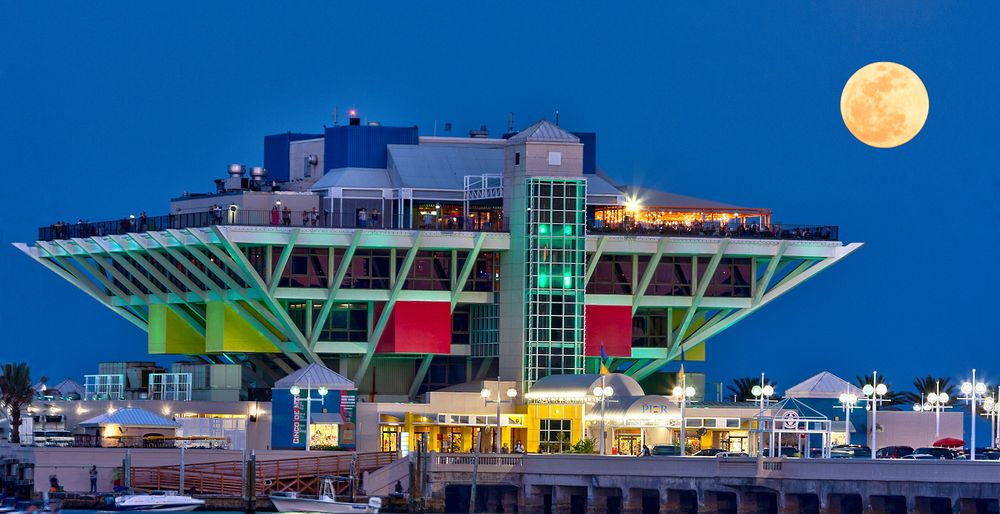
936, 402
603, 394
992, 408
848, 402
762, 396
874, 395
487, 394
974, 393
682, 393
322, 390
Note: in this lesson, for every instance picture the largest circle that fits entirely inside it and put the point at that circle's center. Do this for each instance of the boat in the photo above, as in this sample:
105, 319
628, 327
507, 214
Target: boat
159, 501
325, 502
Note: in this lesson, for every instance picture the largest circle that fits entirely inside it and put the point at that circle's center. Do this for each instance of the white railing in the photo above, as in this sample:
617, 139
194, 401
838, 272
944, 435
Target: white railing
466, 459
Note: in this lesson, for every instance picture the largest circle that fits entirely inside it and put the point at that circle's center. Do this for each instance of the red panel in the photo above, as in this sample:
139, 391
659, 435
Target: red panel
416, 327
610, 325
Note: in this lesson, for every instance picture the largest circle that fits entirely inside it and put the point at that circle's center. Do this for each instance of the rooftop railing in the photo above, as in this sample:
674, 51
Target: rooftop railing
242, 217
775, 231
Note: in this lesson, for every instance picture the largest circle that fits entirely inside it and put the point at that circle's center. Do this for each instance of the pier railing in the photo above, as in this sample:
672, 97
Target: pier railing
298, 474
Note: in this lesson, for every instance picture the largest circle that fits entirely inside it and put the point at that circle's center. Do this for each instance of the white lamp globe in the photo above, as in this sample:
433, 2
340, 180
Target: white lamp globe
917, 407
609, 391
295, 390
943, 398
768, 390
980, 388
966, 387
678, 391
485, 393
928, 406
756, 390
843, 398
322, 391
868, 389
689, 391
511, 392
932, 397
881, 389
598, 391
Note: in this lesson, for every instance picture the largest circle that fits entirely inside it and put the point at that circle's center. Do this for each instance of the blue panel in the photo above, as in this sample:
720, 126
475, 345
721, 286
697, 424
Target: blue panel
589, 140
349, 146
276, 153
283, 424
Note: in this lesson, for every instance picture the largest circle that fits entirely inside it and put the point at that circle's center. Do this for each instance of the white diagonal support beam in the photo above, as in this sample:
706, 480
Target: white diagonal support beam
90, 268
171, 267
425, 364
333, 288
781, 288
703, 283
595, 259
383, 319
138, 275
647, 276
769, 273
470, 263
279, 267
253, 279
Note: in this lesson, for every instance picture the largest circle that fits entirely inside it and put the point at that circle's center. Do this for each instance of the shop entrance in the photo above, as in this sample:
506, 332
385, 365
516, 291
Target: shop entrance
628, 441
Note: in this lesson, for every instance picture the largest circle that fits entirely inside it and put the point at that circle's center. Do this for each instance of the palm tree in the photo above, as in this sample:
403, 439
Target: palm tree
15, 394
894, 400
742, 388
925, 385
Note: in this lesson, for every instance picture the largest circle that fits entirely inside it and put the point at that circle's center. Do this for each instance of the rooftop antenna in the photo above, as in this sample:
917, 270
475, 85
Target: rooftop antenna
510, 121
447, 127
335, 123
557, 117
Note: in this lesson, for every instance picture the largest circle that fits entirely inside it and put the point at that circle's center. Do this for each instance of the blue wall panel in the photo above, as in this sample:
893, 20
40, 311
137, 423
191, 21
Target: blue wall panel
589, 140
276, 153
349, 146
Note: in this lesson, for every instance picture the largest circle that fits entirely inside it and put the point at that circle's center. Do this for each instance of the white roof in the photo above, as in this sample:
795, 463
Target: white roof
361, 178
65, 388
313, 376
579, 388
131, 417
822, 385
441, 166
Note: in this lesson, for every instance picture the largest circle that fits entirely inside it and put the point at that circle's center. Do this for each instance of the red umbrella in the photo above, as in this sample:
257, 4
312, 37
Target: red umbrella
949, 442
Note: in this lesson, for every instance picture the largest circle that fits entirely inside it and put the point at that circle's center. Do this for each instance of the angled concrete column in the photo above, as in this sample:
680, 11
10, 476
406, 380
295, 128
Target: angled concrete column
632, 501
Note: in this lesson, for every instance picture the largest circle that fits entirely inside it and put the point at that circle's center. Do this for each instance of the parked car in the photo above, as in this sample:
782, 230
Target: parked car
919, 456
851, 452
937, 452
671, 450
790, 451
708, 452
729, 455
893, 452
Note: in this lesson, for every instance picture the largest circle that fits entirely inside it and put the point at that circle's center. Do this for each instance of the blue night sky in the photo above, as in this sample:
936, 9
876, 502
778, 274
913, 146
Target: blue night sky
113, 108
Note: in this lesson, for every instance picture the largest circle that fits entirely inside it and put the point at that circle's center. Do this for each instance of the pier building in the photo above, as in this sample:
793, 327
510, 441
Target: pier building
412, 263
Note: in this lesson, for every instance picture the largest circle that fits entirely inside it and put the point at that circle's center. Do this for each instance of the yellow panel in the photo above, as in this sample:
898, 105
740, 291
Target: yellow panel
698, 352
227, 331
170, 334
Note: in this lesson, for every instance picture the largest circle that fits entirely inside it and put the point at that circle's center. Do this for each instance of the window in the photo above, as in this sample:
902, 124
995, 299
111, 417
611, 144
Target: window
732, 278
554, 435
306, 267
517, 158
430, 271
346, 322
555, 158
613, 275
390, 438
369, 269
650, 328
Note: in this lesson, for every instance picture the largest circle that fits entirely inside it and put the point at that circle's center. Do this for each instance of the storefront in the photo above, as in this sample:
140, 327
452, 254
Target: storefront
313, 408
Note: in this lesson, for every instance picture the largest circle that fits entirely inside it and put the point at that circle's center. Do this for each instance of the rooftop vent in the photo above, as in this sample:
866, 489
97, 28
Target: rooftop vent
237, 170
481, 133
258, 174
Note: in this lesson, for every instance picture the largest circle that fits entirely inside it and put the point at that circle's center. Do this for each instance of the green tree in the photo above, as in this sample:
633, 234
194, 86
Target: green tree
922, 386
15, 394
742, 388
893, 399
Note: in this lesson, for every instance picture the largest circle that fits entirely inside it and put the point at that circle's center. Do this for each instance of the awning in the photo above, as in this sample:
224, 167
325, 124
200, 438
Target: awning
326, 418
649, 410
580, 388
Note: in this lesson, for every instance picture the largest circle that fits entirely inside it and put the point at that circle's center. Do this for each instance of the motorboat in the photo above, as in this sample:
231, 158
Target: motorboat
159, 501
325, 502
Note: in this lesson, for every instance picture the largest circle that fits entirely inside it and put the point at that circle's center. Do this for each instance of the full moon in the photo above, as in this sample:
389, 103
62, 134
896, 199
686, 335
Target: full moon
884, 104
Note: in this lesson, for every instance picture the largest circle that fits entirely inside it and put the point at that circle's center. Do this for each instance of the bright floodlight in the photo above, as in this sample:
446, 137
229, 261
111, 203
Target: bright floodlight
768, 390
868, 389
943, 398
966, 387
295, 390
322, 391
881, 389
598, 391
511, 392
609, 391
932, 397
678, 391
485, 393
980, 388
689, 391
756, 390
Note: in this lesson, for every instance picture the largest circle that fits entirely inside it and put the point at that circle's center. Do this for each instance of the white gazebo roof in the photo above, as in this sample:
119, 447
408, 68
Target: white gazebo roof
579, 388
822, 385
131, 417
313, 376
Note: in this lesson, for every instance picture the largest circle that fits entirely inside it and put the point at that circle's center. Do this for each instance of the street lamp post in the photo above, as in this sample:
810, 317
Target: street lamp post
603, 394
322, 390
848, 402
487, 396
874, 395
936, 401
762, 396
992, 409
974, 393
683, 392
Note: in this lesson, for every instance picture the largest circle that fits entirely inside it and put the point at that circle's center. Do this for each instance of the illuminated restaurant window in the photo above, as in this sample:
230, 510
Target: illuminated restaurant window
390, 438
554, 435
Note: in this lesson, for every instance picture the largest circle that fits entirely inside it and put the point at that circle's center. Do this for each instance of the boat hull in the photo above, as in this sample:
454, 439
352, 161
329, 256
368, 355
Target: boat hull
283, 504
